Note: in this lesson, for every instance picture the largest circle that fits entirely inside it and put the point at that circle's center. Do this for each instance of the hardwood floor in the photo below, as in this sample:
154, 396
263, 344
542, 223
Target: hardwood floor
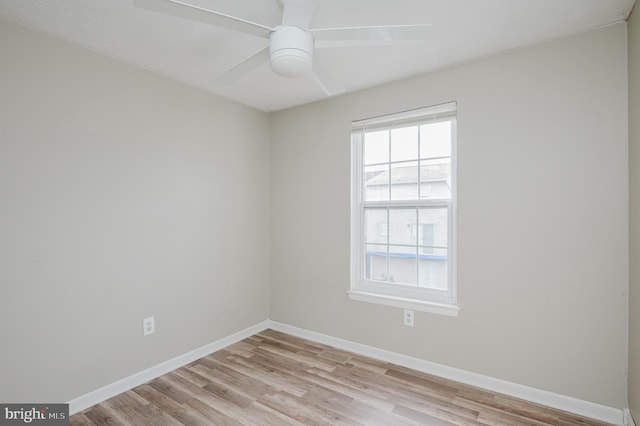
272, 378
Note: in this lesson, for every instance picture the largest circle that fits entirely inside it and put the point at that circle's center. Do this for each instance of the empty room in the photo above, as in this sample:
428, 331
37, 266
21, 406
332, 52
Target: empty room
358, 212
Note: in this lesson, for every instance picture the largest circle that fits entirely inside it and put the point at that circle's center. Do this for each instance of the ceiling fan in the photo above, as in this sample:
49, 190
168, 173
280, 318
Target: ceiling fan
292, 43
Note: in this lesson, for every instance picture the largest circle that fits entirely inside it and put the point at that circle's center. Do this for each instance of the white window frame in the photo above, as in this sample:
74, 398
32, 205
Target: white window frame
386, 293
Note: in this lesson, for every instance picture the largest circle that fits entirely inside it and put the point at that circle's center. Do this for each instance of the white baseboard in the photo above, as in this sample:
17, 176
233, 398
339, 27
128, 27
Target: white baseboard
604, 413
628, 420
95, 397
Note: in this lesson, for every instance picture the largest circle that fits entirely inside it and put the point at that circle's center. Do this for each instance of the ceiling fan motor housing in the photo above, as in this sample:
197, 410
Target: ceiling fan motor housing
291, 51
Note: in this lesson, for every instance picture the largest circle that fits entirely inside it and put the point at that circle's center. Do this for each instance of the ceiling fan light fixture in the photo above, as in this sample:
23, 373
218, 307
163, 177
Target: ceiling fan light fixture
291, 44
291, 63
291, 51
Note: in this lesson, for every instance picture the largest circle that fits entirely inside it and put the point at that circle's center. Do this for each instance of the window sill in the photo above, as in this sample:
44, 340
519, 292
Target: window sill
401, 302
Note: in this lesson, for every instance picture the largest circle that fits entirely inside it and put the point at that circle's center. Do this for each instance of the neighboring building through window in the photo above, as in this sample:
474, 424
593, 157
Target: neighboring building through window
403, 210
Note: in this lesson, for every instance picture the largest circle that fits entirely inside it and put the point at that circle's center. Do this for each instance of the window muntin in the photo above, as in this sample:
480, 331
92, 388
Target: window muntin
403, 206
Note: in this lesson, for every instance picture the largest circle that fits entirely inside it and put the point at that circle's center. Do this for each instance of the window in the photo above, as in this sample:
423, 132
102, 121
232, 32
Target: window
403, 210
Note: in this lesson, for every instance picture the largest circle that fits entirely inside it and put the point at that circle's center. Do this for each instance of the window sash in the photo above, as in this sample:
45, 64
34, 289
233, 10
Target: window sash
360, 282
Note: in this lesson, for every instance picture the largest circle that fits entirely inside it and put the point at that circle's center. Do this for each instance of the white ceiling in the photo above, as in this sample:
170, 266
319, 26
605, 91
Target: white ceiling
197, 54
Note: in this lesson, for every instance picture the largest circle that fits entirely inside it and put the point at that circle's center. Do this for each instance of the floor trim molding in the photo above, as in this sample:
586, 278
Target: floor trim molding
604, 413
83, 402
628, 420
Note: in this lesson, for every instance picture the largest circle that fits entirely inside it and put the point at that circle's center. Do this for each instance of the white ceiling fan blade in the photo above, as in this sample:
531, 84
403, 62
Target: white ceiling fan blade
371, 36
195, 13
325, 79
244, 67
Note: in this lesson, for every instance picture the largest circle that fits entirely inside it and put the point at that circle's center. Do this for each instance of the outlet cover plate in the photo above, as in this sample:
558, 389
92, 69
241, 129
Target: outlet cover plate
148, 326
408, 317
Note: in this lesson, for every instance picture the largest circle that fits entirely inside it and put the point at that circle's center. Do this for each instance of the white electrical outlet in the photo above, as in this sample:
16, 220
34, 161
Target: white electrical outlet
148, 326
408, 318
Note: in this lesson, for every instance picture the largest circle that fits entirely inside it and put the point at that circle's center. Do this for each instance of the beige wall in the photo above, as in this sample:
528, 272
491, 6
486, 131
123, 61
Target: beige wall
634, 213
542, 220
122, 195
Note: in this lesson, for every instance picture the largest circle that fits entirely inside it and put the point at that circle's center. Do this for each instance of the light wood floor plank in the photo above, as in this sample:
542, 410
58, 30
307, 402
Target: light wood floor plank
272, 378
80, 420
101, 416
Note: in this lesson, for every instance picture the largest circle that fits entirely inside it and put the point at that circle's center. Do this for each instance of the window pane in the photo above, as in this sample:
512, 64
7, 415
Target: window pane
402, 226
375, 226
403, 265
376, 262
432, 247
435, 178
432, 270
404, 144
376, 147
376, 183
426, 238
435, 140
433, 231
404, 181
